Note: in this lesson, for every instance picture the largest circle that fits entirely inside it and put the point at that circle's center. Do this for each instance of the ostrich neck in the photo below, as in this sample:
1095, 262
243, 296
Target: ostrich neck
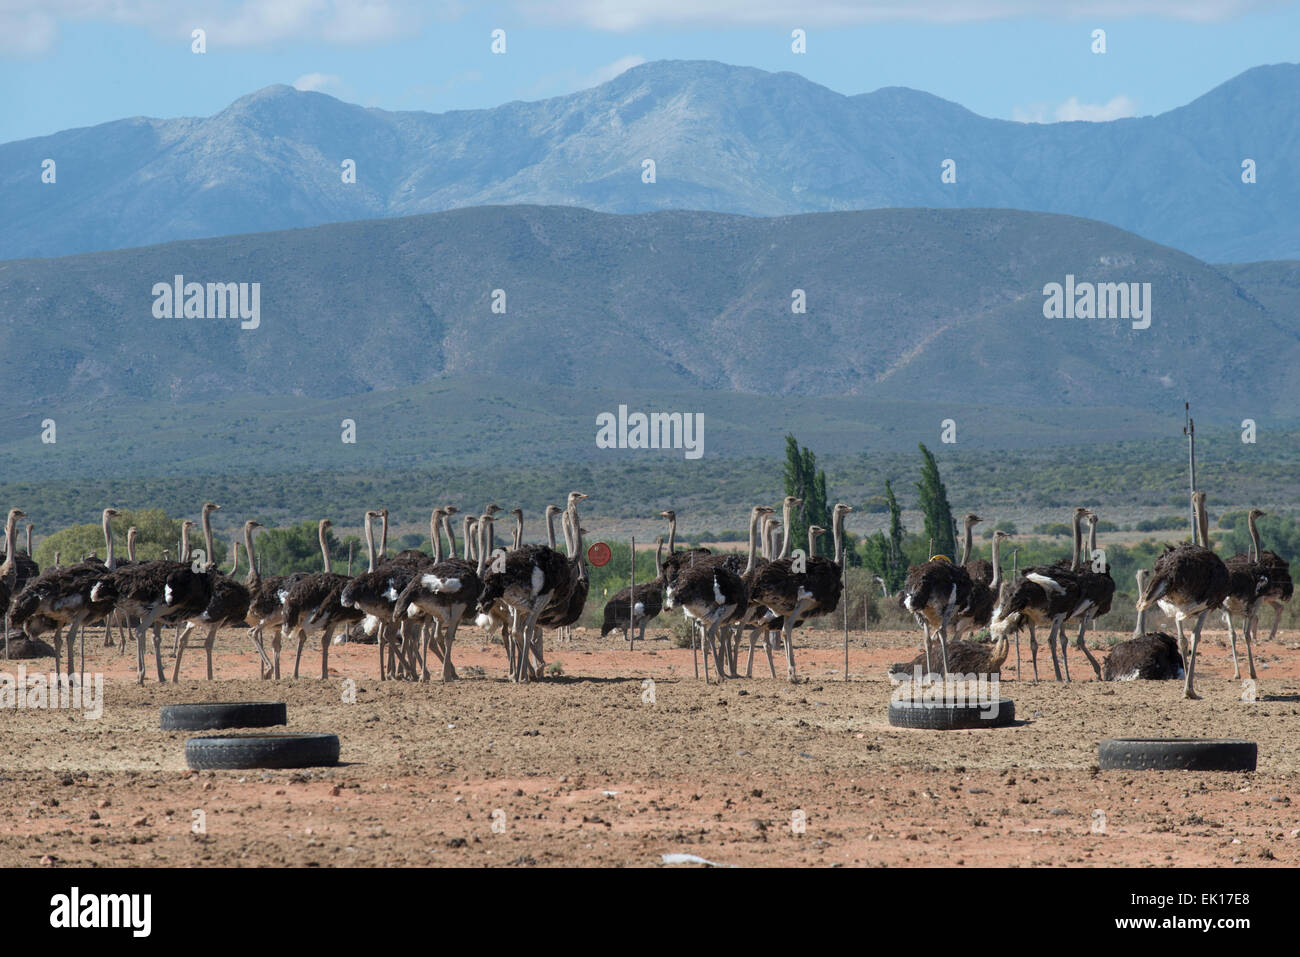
451, 536
812, 542
659, 551
1203, 519
1078, 542
1140, 626
1196, 523
234, 558
787, 512
370, 542
966, 545
29, 539
753, 543
325, 551
211, 557
248, 547
184, 554
550, 530
1255, 550
996, 585
519, 531
837, 528
383, 537
130, 545
672, 534
435, 536
110, 561
577, 545
10, 528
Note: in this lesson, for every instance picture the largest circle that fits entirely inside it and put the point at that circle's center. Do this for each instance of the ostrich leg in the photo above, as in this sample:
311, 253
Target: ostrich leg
1232, 634
207, 646
1033, 650
1065, 644
787, 634
1051, 643
181, 645
326, 639
1083, 625
1248, 631
448, 669
157, 652
1189, 690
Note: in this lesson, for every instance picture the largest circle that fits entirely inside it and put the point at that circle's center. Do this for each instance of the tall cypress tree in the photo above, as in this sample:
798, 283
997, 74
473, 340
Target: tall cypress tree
803, 480
934, 506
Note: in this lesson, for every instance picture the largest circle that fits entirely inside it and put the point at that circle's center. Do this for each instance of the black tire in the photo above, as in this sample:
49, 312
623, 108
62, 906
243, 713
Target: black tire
213, 716
905, 714
262, 751
1177, 754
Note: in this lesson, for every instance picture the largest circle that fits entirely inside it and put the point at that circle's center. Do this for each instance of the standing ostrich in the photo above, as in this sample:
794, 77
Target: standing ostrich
61, 597
935, 592
636, 606
265, 609
1280, 587
1247, 583
139, 591
17, 568
564, 617
772, 581
525, 580
1042, 595
444, 591
1148, 655
1096, 592
228, 602
1188, 580
984, 591
712, 593
314, 603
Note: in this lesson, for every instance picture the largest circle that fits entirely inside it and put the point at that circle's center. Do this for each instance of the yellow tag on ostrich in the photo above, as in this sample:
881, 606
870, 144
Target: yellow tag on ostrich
941, 558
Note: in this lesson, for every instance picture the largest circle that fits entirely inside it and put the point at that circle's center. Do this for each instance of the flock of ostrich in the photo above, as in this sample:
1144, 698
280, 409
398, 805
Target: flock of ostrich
412, 603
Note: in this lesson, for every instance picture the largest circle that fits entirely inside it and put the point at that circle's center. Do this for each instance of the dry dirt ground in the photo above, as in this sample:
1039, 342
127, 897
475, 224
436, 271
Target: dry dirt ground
580, 770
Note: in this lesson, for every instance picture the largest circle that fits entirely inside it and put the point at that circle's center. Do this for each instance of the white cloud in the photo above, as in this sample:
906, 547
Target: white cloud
31, 27
622, 15
610, 70
1071, 110
320, 83
567, 81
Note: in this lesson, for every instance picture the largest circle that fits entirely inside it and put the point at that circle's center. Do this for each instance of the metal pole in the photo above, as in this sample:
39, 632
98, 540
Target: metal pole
844, 587
631, 604
1189, 430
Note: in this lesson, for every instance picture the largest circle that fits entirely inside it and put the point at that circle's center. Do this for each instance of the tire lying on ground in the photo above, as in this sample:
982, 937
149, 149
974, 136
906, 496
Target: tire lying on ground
945, 717
237, 751
215, 715
1178, 754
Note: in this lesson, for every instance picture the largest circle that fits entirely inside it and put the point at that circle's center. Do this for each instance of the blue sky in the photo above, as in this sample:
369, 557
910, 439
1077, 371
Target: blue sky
68, 63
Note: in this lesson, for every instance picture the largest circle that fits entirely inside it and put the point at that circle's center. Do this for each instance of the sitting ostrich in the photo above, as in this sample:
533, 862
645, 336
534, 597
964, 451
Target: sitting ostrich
1188, 581
964, 658
1147, 656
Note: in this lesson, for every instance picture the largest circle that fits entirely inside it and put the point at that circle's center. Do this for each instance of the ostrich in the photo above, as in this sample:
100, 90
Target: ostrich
444, 591
712, 593
636, 606
1188, 581
265, 609
935, 592
1148, 655
139, 591
1042, 595
61, 598
564, 617
1247, 583
374, 593
1280, 587
314, 602
17, 568
772, 579
228, 602
984, 591
964, 658
1096, 592
525, 579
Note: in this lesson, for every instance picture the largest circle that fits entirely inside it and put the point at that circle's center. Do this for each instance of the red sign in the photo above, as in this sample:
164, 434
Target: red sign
599, 554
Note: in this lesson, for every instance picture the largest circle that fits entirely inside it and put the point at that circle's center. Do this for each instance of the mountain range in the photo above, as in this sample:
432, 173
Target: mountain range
945, 307
723, 139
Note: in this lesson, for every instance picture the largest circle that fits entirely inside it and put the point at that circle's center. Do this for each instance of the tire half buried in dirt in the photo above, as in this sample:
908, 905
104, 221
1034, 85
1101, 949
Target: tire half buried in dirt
215, 715
238, 751
935, 716
1177, 754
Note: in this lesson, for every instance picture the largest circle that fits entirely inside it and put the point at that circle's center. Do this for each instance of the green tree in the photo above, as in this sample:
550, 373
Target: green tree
883, 554
934, 506
155, 531
804, 481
